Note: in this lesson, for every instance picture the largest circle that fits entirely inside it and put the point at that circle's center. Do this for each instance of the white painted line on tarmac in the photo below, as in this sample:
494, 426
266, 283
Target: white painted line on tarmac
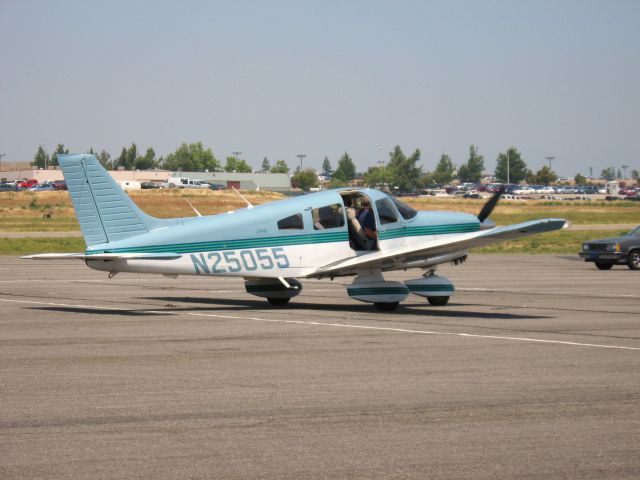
335, 325
423, 332
542, 292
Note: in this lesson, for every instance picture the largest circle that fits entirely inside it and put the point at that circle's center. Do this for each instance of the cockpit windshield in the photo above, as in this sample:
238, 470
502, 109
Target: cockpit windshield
405, 210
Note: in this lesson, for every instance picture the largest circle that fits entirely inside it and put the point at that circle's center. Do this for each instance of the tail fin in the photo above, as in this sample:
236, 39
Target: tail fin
104, 211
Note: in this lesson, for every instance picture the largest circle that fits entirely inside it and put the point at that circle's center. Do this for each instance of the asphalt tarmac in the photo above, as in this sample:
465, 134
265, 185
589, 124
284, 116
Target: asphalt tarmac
532, 371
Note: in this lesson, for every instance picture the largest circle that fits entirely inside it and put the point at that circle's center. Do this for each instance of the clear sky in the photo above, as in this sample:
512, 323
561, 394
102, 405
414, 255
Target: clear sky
278, 78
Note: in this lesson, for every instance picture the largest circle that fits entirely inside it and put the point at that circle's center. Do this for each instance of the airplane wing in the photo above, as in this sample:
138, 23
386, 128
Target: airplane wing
103, 256
439, 248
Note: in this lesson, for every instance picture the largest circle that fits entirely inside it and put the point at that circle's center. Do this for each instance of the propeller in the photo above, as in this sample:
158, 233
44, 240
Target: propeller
490, 205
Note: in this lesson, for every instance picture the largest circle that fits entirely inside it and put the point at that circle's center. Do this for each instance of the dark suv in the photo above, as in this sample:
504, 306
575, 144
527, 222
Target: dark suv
608, 252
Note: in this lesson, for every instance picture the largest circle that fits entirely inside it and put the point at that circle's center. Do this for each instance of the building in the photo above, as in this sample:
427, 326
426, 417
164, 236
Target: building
275, 182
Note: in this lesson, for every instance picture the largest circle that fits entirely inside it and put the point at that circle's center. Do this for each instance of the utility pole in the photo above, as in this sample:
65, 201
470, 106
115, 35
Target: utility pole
1, 155
301, 157
235, 154
590, 172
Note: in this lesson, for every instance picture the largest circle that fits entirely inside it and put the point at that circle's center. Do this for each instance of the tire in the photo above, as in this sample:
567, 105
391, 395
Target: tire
604, 265
438, 301
386, 306
634, 260
278, 302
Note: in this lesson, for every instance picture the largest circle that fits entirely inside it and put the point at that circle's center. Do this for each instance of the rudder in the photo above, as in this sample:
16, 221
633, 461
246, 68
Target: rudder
104, 211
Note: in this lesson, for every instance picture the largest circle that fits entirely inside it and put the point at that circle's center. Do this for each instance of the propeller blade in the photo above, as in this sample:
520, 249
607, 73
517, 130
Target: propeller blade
490, 205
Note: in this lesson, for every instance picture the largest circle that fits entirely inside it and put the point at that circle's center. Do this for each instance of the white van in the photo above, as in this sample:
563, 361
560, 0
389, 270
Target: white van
129, 185
179, 182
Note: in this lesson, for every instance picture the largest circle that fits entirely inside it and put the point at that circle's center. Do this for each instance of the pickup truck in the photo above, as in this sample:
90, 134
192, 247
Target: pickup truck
607, 252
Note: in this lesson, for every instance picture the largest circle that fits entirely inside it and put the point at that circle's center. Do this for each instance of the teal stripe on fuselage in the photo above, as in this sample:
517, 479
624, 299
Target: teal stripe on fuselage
283, 241
232, 244
430, 230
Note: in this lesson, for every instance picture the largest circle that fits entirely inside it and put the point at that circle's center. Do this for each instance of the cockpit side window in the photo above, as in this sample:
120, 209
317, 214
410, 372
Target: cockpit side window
294, 222
386, 212
331, 216
405, 210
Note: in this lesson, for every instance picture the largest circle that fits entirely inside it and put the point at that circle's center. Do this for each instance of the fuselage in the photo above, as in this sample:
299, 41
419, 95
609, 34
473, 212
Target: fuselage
286, 238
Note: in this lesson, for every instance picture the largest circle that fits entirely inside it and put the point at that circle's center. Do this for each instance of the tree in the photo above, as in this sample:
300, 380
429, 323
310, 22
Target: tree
511, 168
444, 171
147, 162
130, 157
619, 174
235, 165
41, 158
580, 179
104, 158
54, 156
472, 170
122, 159
608, 174
280, 167
326, 167
192, 157
266, 166
375, 176
544, 176
402, 171
305, 179
635, 174
346, 170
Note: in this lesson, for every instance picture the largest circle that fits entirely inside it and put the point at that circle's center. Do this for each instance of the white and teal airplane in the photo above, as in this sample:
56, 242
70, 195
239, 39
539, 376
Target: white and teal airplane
270, 246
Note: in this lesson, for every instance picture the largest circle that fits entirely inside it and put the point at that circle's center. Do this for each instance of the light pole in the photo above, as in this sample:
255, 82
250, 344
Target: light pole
235, 154
590, 172
1, 155
550, 159
382, 164
507, 155
301, 157
624, 170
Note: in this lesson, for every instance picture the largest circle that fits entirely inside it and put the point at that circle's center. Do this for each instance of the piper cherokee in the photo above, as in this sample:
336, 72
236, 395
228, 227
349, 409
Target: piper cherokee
272, 246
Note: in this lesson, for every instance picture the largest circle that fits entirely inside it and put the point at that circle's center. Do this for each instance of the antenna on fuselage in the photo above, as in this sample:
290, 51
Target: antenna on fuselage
194, 208
242, 197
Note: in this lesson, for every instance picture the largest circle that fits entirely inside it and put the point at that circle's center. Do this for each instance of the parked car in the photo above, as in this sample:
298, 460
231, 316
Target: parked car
42, 187
59, 185
149, 185
522, 190
217, 186
546, 190
607, 252
8, 187
27, 183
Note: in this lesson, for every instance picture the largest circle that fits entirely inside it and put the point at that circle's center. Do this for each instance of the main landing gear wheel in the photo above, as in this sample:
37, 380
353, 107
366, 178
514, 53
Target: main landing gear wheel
604, 265
278, 302
634, 260
386, 306
438, 301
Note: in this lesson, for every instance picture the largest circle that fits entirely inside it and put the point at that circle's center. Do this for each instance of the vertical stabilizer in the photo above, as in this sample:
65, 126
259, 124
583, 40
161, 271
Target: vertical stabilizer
104, 211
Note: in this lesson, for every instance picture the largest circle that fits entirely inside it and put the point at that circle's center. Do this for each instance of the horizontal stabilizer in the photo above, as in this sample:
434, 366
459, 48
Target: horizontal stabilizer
104, 256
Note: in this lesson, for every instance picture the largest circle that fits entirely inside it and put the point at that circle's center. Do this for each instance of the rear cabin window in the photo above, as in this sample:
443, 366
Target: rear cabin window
405, 210
331, 216
386, 212
294, 222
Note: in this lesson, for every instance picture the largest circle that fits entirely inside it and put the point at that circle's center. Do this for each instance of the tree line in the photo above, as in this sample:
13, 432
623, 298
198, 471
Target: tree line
400, 171
192, 157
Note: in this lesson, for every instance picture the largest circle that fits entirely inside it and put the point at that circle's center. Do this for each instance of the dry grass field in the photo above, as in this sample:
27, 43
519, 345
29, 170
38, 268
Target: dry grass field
30, 212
